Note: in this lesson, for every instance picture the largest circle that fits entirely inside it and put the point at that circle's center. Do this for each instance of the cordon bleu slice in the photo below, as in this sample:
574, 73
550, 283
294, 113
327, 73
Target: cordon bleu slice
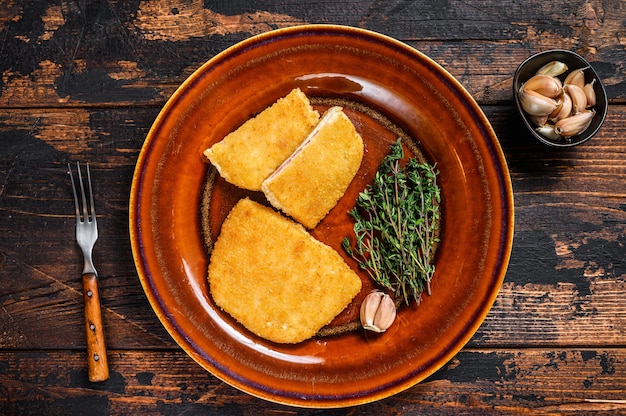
311, 181
248, 155
272, 276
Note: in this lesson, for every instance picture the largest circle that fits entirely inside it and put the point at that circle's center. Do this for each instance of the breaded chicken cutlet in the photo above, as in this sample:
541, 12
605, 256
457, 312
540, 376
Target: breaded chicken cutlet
248, 155
309, 183
273, 277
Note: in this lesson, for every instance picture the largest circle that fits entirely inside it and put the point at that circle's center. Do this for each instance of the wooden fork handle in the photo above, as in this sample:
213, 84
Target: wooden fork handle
97, 364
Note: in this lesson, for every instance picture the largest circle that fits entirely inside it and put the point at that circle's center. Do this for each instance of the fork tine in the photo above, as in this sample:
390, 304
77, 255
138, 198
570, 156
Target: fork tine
91, 204
83, 199
77, 209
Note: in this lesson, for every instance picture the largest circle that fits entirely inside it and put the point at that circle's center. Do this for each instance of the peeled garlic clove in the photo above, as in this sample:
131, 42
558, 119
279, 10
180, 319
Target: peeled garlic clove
378, 312
579, 99
576, 124
564, 110
553, 69
549, 132
576, 77
544, 85
535, 104
590, 93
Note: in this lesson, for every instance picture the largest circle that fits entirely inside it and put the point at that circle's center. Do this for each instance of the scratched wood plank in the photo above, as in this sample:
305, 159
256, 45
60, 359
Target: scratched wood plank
568, 263
120, 53
563, 287
40, 289
475, 382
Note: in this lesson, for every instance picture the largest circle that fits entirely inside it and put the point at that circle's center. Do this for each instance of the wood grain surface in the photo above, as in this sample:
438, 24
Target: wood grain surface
85, 80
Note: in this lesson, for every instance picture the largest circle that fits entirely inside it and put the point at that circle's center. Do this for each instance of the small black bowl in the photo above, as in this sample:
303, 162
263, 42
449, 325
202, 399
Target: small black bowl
531, 65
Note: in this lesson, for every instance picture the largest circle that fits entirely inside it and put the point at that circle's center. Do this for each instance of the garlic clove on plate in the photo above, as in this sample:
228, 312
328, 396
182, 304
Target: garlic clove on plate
378, 311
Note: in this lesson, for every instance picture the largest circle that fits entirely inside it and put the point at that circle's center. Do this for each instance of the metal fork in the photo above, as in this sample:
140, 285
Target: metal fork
86, 236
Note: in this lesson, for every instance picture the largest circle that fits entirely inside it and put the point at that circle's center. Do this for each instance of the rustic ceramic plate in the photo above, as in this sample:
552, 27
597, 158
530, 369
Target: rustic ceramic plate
389, 90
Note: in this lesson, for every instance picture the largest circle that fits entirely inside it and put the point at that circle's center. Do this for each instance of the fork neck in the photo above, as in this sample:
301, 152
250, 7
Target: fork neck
88, 266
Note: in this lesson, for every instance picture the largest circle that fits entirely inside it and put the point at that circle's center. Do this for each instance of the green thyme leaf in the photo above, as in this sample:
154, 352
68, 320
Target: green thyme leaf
396, 223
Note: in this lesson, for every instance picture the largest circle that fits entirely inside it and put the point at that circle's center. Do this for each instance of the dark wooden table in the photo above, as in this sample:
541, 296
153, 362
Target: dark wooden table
84, 80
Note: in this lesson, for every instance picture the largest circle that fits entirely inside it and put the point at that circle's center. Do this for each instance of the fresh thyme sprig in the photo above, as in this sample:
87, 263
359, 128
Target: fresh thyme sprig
396, 223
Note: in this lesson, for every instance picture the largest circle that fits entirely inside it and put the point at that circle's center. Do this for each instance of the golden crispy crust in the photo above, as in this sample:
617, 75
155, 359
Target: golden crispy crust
269, 274
309, 184
248, 155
